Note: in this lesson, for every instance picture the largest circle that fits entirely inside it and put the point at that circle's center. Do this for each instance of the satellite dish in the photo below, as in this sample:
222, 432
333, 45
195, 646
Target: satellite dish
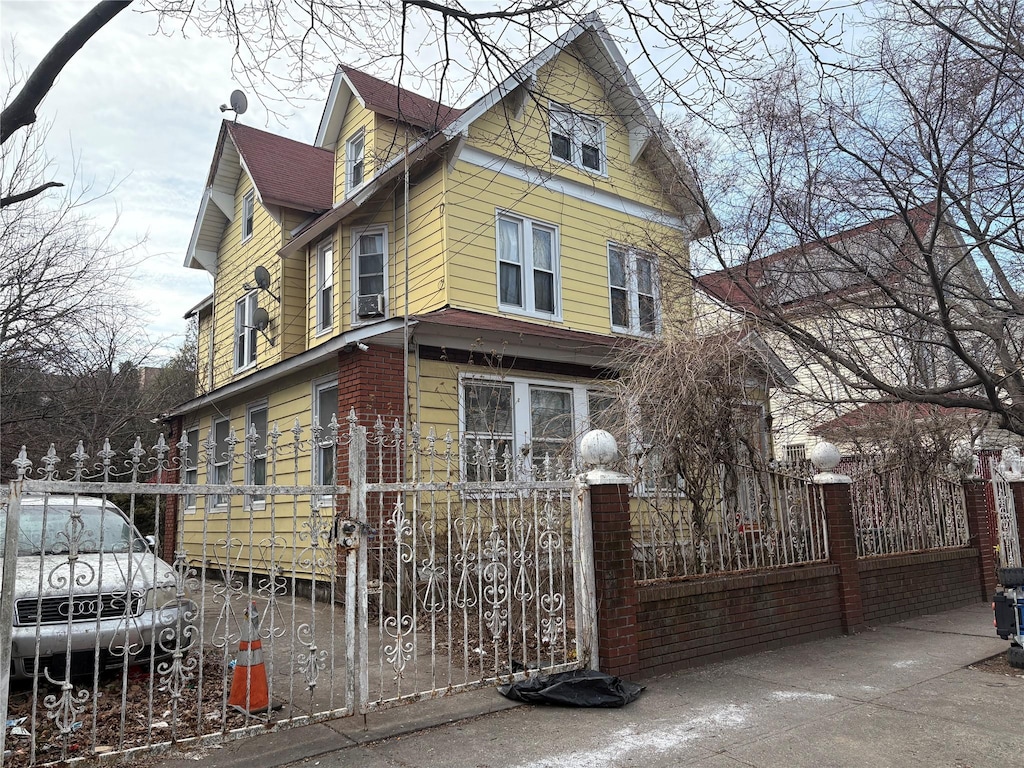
238, 102
262, 277
260, 319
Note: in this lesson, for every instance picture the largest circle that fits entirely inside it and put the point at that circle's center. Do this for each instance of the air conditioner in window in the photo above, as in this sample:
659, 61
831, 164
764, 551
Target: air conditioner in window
370, 306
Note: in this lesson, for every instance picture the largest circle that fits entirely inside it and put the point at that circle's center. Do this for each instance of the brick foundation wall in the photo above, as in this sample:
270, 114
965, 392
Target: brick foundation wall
689, 623
898, 587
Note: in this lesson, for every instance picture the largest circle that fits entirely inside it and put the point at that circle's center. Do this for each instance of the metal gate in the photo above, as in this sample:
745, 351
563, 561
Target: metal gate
1001, 473
402, 583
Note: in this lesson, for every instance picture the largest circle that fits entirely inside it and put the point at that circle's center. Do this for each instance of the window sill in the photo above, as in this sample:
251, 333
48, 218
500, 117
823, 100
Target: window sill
514, 310
581, 168
244, 368
636, 332
324, 332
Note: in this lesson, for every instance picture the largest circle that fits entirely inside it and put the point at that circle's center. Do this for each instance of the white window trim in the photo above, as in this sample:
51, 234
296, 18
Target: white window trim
349, 186
260, 405
354, 255
526, 287
632, 290
192, 435
249, 335
575, 143
327, 245
319, 385
521, 385
249, 201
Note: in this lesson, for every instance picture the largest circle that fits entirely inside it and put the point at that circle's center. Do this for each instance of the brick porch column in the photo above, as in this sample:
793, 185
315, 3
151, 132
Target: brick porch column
615, 589
983, 536
837, 501
172, 503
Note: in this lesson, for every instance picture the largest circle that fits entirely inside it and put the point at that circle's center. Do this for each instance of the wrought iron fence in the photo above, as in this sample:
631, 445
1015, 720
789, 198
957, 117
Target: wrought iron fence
899, 508
752, 518
403, 582
1002, 472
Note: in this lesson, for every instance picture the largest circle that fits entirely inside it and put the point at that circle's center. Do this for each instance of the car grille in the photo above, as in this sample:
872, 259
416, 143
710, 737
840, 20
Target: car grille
57, 610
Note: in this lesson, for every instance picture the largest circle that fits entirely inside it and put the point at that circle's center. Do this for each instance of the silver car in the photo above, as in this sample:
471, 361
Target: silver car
89, 591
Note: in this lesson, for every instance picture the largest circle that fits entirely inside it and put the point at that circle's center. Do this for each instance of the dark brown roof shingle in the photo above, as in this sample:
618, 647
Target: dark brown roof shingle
285, 171
399, 103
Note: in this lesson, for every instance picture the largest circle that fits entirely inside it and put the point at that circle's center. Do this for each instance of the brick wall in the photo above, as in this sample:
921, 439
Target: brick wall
897, 587
689, 623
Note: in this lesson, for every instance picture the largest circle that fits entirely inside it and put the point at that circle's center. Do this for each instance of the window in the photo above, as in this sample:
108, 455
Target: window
190, 466
522, 423
222, 458
324, 286
527, 267
633, 291
355, 165
245, 331
325, 408
488, 433
248, 205
256, 451
369, 263
577, 139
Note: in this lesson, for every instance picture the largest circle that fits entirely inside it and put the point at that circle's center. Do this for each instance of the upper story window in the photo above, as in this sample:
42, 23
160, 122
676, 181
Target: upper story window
369, 265
245, 331
248, 206
324, 286
577, 139
528, 279
355, 161
633, 291
256, 452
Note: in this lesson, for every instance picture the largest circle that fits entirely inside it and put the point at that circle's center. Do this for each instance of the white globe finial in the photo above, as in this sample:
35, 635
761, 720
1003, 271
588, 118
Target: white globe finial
598, 449
825, 456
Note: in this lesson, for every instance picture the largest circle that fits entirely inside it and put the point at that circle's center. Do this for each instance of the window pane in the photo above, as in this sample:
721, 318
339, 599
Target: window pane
616, 268
542, 245
544, 291
488, 409
648, 314
508, 241
560, 146
371, 244
620, 308
550, 413
591, 157
327, 405
510, 284
644, 276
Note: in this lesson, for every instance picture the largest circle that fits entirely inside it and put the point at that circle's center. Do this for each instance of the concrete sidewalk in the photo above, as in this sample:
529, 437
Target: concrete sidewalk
899, 695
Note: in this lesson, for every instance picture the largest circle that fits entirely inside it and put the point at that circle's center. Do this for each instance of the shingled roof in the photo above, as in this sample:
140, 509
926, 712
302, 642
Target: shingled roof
873, 253
403, 105
286, 172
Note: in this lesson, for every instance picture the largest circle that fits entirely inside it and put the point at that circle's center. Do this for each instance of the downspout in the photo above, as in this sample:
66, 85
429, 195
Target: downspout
405, 320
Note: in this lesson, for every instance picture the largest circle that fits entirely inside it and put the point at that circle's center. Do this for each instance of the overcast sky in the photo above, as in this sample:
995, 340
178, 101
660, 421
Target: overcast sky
141, 111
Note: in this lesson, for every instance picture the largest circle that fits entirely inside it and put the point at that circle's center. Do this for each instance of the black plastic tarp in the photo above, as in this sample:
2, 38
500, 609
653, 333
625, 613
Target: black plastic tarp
577, 688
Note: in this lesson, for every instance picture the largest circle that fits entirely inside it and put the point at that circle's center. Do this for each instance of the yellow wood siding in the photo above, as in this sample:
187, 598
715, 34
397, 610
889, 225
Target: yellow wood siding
357, 118
235, 264
522, 133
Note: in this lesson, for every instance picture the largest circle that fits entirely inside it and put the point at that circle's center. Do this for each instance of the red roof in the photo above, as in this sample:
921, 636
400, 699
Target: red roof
809, 270
286, 172
399, 103
881, 415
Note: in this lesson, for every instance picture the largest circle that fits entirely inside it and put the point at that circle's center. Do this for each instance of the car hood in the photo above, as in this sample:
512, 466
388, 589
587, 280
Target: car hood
91, 574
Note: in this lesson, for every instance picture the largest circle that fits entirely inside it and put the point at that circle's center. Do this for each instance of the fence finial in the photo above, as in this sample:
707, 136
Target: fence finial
599, 451
826, 457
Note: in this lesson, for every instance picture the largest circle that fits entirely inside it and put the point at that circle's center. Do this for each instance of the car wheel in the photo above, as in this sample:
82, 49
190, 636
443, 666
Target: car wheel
1015, 656
1011, 577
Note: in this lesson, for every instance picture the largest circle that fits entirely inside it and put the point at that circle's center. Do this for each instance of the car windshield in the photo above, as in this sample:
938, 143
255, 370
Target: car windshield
50, 530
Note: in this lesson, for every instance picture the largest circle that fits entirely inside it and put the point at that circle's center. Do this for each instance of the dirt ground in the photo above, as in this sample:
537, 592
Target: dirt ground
997, 665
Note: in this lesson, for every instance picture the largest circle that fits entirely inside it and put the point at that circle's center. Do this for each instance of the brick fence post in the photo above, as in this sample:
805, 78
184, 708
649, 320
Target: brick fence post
837, 501
614, 586
983, 537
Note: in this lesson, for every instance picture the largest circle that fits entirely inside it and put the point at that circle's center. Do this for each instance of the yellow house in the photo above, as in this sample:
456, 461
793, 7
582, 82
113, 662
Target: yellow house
467, 270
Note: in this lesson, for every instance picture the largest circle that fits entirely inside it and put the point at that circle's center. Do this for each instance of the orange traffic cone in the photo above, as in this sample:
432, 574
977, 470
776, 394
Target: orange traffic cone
249, 692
